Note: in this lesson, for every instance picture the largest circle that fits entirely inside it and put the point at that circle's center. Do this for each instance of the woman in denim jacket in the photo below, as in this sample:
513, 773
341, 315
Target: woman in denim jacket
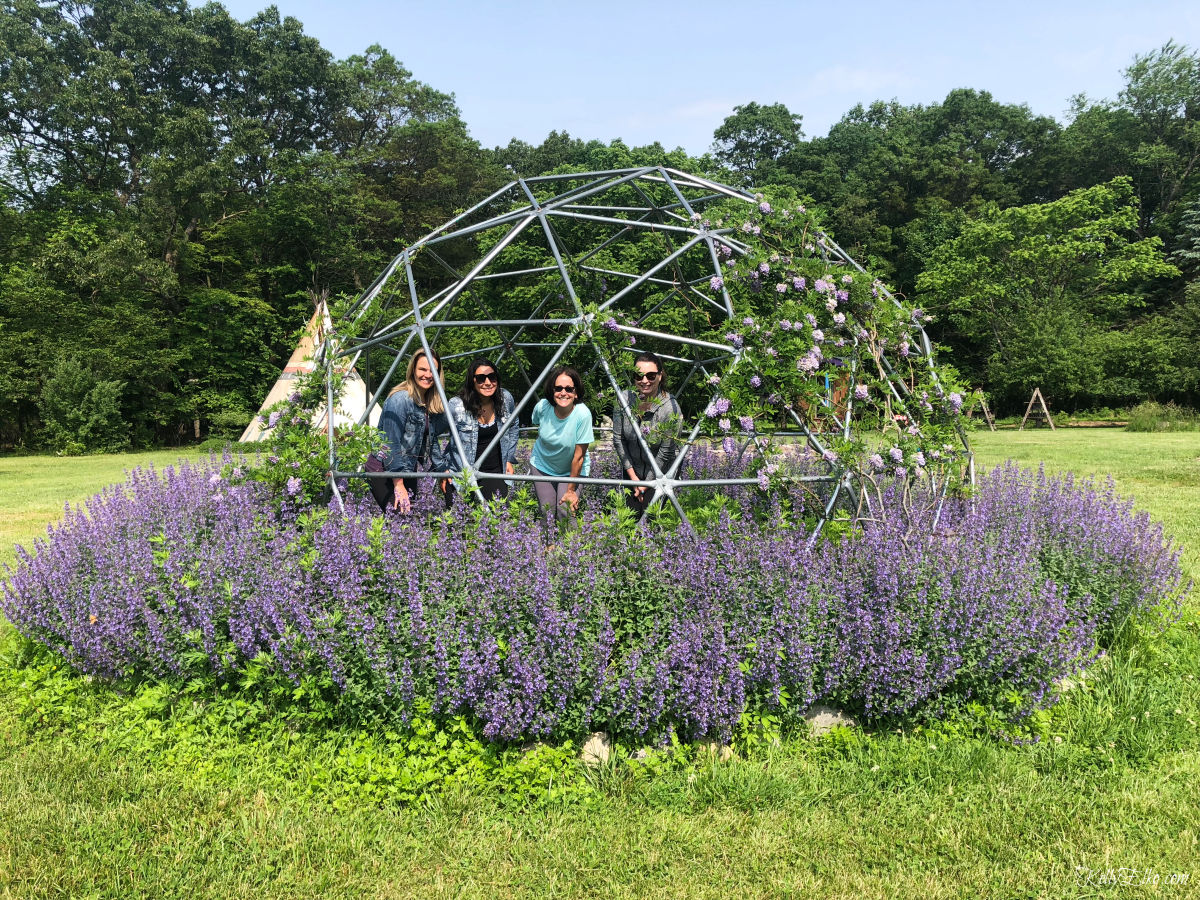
479, 412
412, 421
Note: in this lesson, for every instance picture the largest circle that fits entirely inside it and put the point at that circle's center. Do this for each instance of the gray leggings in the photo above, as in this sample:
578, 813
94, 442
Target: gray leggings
550, 494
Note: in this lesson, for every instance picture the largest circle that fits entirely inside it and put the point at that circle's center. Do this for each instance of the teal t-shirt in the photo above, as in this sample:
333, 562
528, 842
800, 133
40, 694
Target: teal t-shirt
555, 445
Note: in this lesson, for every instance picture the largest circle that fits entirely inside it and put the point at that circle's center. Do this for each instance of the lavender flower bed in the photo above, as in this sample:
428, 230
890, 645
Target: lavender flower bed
630, 631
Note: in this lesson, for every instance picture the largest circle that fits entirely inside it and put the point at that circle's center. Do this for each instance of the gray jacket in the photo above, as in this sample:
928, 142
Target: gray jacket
660, 429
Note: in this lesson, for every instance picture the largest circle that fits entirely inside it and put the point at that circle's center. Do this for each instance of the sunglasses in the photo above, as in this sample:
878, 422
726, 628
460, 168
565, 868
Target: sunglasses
560, 389
485, 377
645, 376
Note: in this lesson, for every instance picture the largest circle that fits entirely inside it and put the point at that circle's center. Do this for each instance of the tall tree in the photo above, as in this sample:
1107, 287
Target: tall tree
1029, 292
753, 140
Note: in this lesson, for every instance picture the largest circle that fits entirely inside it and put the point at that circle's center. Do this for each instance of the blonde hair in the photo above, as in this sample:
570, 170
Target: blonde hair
431, 399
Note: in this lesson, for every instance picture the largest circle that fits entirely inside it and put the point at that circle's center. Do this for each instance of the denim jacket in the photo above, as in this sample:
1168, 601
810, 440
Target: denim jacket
412, 435
468, 431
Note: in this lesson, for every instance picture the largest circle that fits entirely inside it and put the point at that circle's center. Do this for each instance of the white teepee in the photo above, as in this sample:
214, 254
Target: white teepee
349, 406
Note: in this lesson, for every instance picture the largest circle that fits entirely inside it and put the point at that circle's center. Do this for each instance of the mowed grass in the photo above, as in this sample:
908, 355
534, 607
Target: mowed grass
92, 807
36, 488
1160, 472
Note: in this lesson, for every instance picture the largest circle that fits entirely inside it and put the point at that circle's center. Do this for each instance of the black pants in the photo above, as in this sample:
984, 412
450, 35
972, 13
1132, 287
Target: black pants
639, 506
491, 488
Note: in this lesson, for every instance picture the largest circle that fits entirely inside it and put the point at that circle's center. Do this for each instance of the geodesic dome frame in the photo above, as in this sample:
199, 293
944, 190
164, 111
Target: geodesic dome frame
552, 245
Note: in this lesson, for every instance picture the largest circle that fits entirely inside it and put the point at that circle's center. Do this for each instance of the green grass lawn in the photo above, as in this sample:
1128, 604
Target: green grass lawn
35, 488
1161, 472
102, 797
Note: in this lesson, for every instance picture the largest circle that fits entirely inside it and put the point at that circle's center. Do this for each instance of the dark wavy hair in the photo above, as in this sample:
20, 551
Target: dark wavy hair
470, 395
647, 356
559, 371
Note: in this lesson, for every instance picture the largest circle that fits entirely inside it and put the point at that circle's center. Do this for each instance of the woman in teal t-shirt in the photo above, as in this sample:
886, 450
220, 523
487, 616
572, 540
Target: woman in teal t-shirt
564, 432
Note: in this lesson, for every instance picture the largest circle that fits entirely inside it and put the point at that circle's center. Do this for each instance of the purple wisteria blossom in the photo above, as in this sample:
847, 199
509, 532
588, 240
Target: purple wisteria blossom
716, 283
896, 454
861, 392
755, 381
294, 486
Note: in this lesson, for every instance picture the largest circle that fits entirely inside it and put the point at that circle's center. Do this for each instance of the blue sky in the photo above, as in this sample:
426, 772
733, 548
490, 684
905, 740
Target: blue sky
672, 71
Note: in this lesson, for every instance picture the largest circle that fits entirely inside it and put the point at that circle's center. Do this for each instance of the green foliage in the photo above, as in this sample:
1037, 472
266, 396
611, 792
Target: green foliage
753, 140
1031, 290
82, 414
1153, 417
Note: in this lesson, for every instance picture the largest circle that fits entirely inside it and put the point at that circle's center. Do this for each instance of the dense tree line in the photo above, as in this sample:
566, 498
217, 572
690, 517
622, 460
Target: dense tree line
176, 185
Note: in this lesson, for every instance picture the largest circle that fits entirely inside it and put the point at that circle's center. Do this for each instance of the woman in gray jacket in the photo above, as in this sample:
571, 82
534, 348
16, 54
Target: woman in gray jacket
653, 413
